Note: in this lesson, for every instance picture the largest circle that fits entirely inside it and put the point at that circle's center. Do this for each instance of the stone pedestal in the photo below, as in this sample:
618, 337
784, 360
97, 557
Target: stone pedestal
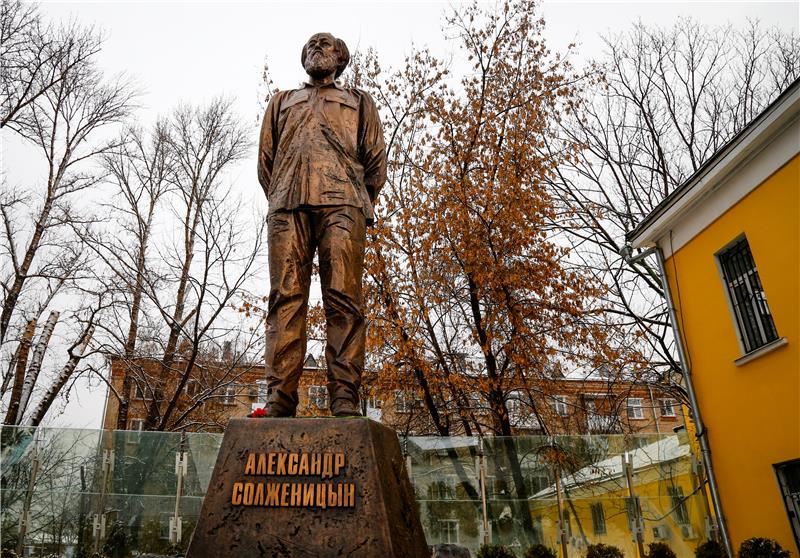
304, 487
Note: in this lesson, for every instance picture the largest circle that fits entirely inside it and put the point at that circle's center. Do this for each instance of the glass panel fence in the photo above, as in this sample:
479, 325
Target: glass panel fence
71, 493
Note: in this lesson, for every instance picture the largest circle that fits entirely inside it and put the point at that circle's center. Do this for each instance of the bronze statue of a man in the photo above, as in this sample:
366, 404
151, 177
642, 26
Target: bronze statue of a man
321, 162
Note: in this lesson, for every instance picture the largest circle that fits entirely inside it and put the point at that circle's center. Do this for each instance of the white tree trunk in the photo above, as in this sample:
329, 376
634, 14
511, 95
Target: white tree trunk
75, 356
35, 365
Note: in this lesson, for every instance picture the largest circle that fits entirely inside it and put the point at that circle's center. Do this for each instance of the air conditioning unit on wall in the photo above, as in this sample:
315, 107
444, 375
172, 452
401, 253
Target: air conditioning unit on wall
661, 532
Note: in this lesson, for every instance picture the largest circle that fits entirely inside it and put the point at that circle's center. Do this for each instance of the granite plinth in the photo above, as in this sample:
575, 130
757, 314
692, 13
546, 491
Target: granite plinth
302, 487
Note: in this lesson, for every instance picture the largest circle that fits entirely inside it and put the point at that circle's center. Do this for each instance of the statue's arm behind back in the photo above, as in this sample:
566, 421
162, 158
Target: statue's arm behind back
372, 147
268, 141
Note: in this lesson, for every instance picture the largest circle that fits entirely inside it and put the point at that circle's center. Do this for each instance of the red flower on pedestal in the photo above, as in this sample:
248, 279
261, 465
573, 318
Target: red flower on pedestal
258, 413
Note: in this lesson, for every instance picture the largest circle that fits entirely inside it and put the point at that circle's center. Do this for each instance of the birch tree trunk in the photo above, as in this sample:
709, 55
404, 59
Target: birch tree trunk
36, 362
76, 354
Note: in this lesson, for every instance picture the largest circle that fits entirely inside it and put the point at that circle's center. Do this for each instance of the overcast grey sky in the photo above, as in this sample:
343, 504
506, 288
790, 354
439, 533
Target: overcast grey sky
193, 51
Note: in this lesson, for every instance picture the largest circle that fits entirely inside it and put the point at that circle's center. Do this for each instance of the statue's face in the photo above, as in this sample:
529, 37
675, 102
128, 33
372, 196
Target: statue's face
321, 56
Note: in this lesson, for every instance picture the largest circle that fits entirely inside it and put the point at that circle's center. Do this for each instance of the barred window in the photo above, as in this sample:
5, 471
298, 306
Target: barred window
681, 513
753, 318
598, 518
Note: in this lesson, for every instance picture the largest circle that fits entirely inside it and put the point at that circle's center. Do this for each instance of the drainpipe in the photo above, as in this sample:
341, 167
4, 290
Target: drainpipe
654, 409
702, 434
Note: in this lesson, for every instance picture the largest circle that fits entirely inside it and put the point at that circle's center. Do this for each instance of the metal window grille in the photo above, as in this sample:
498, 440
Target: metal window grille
678, 505
753, 318
598, 518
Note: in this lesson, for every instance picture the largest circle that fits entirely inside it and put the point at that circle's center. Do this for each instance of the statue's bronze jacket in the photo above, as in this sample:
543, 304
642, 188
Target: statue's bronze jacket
322, 146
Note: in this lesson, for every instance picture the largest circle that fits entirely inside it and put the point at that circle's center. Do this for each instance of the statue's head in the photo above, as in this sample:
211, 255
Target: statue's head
322, 54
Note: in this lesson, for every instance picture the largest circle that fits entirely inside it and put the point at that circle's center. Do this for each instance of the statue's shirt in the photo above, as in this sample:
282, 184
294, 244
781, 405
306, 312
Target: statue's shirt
322, 146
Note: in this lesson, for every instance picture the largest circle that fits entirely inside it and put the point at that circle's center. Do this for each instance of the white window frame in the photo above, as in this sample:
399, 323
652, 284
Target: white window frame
374, 402
318, 397
262, 391
662, 406
138, 391
403, 402
560, 405
229, 397
449, 531
635, 411
134, 433
520, 414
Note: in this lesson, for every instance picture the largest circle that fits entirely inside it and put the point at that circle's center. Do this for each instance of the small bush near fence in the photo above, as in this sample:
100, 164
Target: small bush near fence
601, 550
495, 551
540, 551
659, 550
758, 547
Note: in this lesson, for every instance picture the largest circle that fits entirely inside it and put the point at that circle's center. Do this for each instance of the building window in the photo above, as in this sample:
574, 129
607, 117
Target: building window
192, 388
536, 481
598, 518
318, 397
374, 402
520, 411
134, 434
476, 402
635, 410
444, 488
262, 391
560, 405
667, 407
137, 391
746, 294
449, 529
230, 396
403, 402
681, 513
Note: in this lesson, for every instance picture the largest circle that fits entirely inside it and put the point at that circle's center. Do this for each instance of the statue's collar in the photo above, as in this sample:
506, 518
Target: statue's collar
336, 83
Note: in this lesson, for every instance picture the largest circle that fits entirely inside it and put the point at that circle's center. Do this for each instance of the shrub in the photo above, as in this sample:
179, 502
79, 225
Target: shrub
659, 550
710, 549
116, 545
495, 551
759, 547
540, 551
601, 550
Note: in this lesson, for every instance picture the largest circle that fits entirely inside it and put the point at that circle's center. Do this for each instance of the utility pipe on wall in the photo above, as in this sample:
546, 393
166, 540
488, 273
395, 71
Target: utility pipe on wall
702, 435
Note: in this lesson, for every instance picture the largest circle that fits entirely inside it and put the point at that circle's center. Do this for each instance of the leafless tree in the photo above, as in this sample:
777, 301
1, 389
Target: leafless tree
35, 56
198, 269
141, 169
40, 258
669, 100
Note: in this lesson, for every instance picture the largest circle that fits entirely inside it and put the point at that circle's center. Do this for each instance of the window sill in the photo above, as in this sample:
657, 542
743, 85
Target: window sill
768, 348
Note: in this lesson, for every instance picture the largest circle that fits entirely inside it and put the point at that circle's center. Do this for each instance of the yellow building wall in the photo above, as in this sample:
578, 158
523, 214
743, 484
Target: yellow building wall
651, 487
752, 411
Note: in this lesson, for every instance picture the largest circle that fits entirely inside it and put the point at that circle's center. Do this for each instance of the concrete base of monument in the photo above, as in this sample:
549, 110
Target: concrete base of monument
303, 487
